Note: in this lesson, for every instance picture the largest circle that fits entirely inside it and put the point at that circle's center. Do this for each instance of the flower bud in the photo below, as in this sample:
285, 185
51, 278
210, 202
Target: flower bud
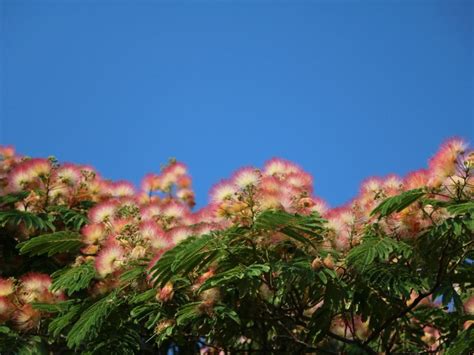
166, 293
317, 264
328, 262
163, 325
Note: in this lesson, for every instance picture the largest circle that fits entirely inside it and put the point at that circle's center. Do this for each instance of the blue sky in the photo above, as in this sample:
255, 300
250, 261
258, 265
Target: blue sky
347, 89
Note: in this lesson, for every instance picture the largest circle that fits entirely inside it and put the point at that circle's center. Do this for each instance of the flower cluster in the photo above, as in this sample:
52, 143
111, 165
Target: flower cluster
448, 176
48, 183
128, 225
17, 297
133, 228
280, 185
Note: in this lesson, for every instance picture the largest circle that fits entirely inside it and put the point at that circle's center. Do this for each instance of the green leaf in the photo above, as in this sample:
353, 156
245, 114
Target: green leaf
122, 341
65, 319
33, 345
323, 277
53, 307
225, 312
463, 344
133, 273
13, 197
187, 313
92, 320
184, 257
144, 296
375, 247
397, 203
53, 243
462, 208
72, 218
30, 220
188, 258
304, 229
235, 274
4, 329
74, 278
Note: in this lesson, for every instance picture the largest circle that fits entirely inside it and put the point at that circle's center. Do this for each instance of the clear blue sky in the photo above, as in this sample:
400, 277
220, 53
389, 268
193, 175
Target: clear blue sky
347, 89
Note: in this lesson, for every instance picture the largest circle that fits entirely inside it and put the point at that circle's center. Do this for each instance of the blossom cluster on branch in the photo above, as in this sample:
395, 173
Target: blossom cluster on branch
114, 226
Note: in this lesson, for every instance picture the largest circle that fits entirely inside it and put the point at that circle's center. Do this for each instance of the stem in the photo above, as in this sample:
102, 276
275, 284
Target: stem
364, 346
417, 300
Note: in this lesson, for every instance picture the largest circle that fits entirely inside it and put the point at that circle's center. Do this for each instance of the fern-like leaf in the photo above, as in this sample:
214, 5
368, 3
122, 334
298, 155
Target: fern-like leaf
463, 344
397, 203
13, 197
122, 341
184, 257
304, 229
375, 247
64, 320
73, 279
50, 244
461, 208
91, 321
30, 220
72, 218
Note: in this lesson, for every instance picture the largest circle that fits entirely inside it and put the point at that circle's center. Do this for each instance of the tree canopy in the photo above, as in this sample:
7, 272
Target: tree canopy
89, 265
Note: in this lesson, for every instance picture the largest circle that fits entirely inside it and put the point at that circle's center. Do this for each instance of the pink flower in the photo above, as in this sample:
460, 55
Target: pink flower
175, 210
93, 233
19, 177
7, 151
39, 166
371, 185
415, 179
35, 282
180, 233
444, 162
150, 211
223, 191
69, 174
153, 233
276, 166
7, 286
26, 317
103, 211
109, 260
246, 177
300, 181
6, 308
121, 189
469, 306
151, 182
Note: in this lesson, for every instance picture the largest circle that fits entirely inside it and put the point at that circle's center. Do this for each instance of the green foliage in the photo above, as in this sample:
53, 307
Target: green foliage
239, 272
379, 248
54, 307
12, 343
273, 283
72, 218
120, 340
188, 313
53, 243
30, 220
92, 319
462, 208
304, 229
133, 274
463, 344
398, 202
73, 279
13, 198
64, 319
186, 256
